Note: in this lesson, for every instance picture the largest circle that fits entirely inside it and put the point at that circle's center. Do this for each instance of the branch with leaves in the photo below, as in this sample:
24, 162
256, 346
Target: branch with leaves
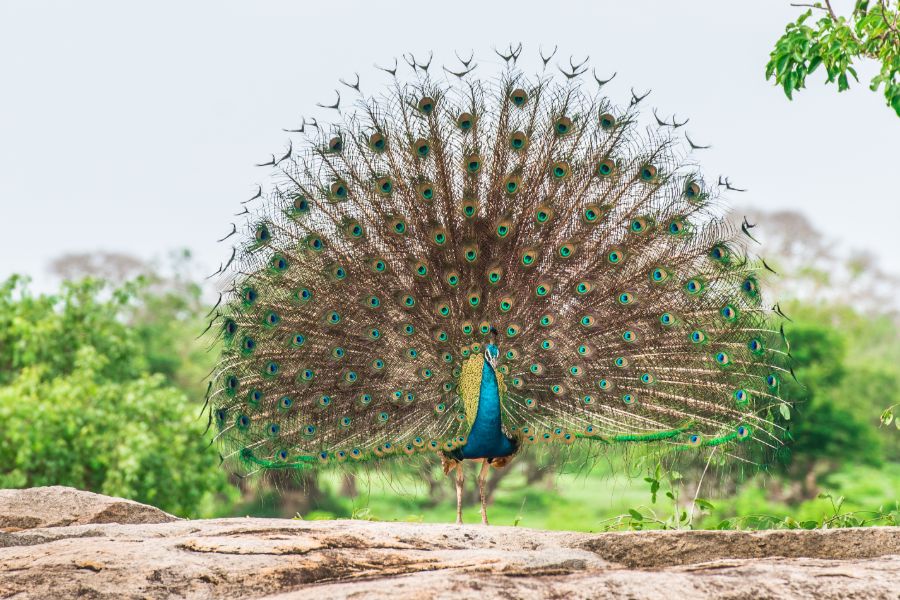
834, 42
887, 417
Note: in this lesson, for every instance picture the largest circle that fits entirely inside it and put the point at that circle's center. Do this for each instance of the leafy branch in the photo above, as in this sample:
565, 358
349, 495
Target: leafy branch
834, 42
888, 416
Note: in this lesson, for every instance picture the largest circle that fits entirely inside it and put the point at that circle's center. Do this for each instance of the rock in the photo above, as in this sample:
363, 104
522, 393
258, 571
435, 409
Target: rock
288, 559
57, 506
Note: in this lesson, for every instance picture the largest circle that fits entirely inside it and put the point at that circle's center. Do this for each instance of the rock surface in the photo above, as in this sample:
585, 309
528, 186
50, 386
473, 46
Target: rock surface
56, 506
84, 553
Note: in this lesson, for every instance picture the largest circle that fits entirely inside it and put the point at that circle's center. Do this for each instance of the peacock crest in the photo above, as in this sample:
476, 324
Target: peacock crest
391, 243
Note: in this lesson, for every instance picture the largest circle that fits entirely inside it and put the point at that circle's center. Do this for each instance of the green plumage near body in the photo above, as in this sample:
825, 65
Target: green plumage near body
473, 268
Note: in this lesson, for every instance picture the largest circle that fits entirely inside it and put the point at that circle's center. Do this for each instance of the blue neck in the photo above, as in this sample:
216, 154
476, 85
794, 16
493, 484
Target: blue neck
486, 438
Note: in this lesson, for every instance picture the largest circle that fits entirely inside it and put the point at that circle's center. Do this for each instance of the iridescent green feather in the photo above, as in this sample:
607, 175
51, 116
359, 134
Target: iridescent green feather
394, 242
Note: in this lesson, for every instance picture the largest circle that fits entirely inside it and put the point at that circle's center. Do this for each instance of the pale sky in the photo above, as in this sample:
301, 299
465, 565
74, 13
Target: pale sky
134, 127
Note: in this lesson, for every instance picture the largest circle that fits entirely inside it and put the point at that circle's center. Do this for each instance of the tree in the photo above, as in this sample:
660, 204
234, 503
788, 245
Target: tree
834, 41
81, 405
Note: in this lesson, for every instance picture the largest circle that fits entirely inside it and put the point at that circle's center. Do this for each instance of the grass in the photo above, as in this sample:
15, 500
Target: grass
605, 498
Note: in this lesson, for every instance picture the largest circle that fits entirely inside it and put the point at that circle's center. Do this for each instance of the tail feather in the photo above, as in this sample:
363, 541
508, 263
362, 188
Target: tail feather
395, 241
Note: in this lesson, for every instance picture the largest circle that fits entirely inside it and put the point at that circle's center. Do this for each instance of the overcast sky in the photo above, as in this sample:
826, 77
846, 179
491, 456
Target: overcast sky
134, 127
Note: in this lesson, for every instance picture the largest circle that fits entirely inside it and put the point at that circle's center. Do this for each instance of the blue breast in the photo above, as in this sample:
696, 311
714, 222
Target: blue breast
486, 439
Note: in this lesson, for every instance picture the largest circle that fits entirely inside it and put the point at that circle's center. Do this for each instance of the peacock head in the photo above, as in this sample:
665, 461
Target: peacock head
491, 353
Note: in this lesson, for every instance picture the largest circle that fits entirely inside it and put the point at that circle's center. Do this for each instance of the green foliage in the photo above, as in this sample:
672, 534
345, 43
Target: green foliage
832, 518
46, 332
887, 417
833, 42
846, 364
867, 497
648, 517
80, 405
824, 427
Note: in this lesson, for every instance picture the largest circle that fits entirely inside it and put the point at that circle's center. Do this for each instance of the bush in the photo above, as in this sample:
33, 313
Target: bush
80, 407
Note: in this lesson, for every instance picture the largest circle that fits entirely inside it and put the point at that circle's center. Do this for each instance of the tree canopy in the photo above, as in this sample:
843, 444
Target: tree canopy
834, 42
85, 400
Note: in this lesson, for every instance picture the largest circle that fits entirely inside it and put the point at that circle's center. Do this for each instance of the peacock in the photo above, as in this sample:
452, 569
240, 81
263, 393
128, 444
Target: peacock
464, 268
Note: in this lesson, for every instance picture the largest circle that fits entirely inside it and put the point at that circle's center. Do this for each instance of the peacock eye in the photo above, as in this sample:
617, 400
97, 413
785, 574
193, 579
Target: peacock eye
421, 147
543, 214
384, 185
560, 170
377, 142
591, 213
694, 286
469, 207
529, 256
692, 190
562, 126
398, 225
426, 105
511, 186
300, 204
677, 227
229, 327
729, 313
426, 191
339, 190
518, 140
648, 173
262, 234
641, 225
659, 275
518, 97
606, 167
719, 253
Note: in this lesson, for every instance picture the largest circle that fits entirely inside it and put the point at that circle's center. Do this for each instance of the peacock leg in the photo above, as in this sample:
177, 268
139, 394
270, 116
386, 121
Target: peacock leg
482, 479
459, 492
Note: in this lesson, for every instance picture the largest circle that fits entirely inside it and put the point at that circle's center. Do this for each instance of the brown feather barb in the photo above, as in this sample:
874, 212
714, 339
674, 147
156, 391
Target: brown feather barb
398, 238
